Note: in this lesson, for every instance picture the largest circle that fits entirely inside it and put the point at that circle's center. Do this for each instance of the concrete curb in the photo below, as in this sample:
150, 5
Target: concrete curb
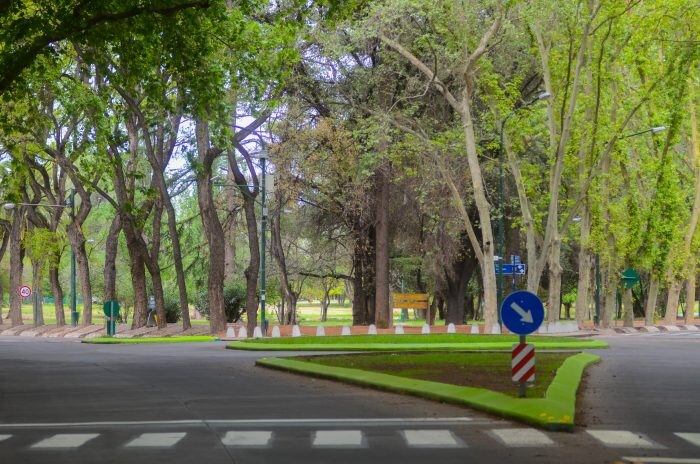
554, 412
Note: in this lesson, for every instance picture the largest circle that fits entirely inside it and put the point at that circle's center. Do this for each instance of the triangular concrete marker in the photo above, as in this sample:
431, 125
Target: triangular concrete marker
496, 329
451, 328
398, 330
257, 333
372, 330
475, 329
275, 332
345, 330
320, 332
230, 332
242, 332
425, 330
295, 331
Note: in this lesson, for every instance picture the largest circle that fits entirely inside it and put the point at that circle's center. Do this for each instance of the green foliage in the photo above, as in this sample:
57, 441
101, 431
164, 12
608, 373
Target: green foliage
234, 301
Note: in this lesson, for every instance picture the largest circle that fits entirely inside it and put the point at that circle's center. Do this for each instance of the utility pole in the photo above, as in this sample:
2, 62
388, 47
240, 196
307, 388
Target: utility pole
73, 295
263, 233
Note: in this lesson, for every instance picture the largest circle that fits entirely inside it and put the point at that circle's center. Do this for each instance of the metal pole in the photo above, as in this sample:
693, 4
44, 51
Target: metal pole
263, 232
597, 290
522, 387
73, 296
501, 225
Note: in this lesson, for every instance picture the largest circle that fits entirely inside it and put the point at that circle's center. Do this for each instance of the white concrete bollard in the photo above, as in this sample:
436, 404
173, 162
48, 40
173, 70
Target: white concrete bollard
451, 328
320, 331
296, 332
475, 329
345, 330
242, 332
496, 329
257, 332
276, 332
230, 332
425, 330
372, 329
398, 330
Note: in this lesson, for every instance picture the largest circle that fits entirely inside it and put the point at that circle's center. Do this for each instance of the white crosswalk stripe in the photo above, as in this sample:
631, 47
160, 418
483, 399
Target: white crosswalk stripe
4, 437
146, 440
65, 440
338, 439
518, 438
431, 439
693, 438
259, 438
622, 439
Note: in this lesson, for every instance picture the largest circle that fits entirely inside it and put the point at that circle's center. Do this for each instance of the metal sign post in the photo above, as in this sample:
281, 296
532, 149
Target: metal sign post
522, 313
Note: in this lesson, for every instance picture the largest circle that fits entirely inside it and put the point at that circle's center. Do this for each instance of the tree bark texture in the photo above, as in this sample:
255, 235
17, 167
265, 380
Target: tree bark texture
382, 292
57, 291
16, 267
652, 296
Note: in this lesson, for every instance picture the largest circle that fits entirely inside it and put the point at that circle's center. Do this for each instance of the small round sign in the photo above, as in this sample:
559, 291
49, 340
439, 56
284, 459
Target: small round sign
25, 291
522, 312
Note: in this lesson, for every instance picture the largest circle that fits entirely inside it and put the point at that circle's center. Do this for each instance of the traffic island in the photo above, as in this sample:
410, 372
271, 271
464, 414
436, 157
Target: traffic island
431, 342
554, 411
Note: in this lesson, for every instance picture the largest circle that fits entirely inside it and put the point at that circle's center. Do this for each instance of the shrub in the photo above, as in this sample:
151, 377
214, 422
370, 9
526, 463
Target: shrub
172, 311
234, 301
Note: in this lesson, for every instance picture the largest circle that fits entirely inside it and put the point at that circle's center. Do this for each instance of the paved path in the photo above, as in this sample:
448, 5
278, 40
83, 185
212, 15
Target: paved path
66, 402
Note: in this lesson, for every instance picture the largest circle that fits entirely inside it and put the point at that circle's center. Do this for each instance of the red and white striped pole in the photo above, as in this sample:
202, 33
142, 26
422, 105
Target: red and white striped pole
523, 365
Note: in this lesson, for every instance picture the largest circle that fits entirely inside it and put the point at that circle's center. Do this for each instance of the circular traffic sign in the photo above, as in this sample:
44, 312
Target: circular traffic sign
25, 291
522, 312
111, 306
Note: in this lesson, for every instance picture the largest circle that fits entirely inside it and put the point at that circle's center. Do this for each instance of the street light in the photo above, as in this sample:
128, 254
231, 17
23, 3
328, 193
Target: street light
71, 202
501, 198
263, 231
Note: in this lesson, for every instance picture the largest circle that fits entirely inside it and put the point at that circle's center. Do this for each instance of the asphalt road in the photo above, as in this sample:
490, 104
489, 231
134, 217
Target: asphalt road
66, 402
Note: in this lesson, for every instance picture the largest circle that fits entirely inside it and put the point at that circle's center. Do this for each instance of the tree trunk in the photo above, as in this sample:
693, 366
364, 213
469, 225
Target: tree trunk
37, 303
554, 297
138, 282
674, 293
16, 267
585, 261
383, 311
628, 308
652, 296
77, 241
253, 269
57, 291
110, 268
610, 303
690, 296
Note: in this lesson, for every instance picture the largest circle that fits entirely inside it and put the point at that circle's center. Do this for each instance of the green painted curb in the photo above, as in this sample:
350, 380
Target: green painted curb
543, 345
554, 412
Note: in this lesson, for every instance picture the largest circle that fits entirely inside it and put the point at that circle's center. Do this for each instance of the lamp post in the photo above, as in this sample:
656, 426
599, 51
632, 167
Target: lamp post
598, 279
71, 203
501, 252
263, 233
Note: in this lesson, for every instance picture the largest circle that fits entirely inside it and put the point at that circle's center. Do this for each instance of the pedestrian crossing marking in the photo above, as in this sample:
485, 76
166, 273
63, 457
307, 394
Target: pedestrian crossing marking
247, 438
622, 439
523, 437
146, 440
338, 438
65, 440
4, 437
693, 438
431, 439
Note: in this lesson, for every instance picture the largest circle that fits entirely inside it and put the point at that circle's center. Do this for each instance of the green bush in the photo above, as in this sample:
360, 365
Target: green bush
172, 311
234, 301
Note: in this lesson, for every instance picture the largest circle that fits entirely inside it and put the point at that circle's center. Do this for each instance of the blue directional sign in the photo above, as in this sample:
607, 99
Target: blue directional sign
510, 269
522, 312
515, 259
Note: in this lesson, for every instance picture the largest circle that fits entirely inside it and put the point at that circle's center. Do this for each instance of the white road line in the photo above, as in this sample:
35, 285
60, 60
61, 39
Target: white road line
338, 439
4, 437
259, 438
519, 438
65, 440
622, 439
653, 460
161, 440
431, 439
693, 438
367, 421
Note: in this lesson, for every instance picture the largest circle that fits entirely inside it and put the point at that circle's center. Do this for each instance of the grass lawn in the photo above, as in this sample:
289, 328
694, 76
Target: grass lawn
411, 342
145, 340
483, 370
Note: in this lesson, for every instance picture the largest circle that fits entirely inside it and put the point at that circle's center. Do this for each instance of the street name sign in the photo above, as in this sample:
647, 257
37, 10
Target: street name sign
522, 312
512, 269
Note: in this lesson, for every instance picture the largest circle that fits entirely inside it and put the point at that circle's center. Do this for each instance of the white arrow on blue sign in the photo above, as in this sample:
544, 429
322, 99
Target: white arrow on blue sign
522, 312
509, 269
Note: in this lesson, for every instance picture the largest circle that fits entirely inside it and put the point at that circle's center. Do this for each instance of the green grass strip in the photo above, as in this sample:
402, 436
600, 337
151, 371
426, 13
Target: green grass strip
148, 340
554, 412
570, 344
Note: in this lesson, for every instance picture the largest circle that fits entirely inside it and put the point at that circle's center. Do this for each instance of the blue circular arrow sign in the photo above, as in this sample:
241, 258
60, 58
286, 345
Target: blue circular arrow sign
522, 312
